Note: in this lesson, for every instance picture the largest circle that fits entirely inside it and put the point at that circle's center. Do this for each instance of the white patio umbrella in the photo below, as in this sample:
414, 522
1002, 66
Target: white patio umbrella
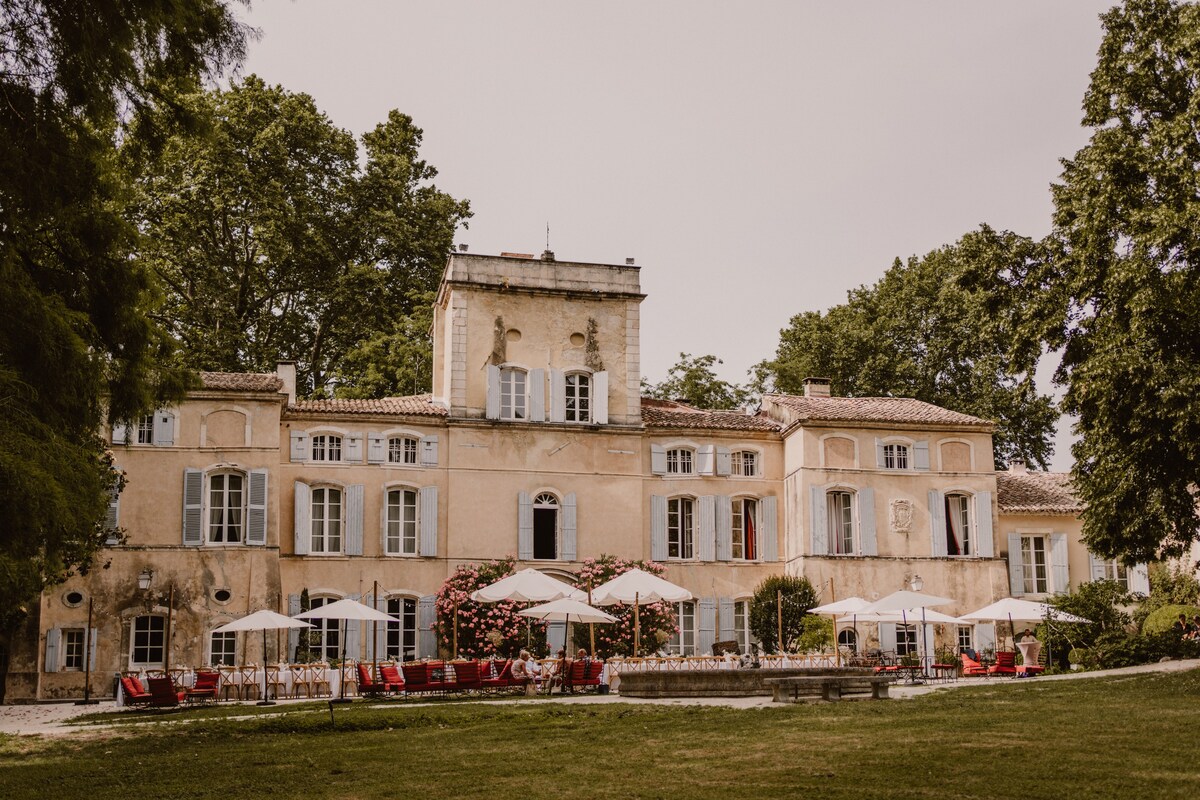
638, 587
840, 608
346, 610
564, 610
527, 586
265, 620
1015, 610
906, 602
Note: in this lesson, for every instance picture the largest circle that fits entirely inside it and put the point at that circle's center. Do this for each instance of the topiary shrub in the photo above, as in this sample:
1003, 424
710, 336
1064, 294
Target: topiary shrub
1163, 618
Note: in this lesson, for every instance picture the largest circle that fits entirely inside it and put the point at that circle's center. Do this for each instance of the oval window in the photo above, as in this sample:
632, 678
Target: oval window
73, 599
577, 339
222, 595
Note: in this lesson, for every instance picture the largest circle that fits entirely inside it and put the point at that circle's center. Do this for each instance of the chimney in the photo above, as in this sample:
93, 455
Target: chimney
816, 387
286, 370
547, 255
1017, 466
462, 248
629, 262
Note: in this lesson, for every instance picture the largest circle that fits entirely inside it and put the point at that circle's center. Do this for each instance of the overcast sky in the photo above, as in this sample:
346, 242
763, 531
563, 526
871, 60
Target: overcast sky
757, 159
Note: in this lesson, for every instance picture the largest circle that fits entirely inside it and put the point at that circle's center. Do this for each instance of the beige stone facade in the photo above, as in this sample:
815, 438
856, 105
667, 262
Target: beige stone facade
535, 442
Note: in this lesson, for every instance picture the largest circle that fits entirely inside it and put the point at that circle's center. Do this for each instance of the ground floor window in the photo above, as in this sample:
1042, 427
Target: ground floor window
906, 640
73, 648
848, 638
545, 526
149, 640
683, 643
966, 638
224, 649
741, 624
401, 642
326, 635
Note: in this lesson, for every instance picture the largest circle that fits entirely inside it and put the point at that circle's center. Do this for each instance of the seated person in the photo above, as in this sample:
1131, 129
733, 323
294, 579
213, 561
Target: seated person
582, 655
1182, 625
533, 669
520, 675
559, 668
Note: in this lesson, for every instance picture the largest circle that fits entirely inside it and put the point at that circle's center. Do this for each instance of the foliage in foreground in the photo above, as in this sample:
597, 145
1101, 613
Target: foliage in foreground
692, 380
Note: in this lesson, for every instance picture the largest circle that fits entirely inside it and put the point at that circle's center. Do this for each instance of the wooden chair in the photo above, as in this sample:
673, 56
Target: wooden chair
248, 682
318, 679
230, 681
300, 680
349, 678
276, 680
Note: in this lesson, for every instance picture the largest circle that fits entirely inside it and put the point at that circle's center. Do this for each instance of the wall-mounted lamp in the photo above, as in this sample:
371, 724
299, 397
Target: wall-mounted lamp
144, 578
917, 584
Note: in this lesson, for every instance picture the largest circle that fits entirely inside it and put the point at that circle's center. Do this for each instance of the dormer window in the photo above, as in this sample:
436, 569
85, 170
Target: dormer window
512, 393
326, 447
680, 461
403, 450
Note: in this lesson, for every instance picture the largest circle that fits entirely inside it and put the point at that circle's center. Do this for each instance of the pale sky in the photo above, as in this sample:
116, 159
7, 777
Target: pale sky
757, 159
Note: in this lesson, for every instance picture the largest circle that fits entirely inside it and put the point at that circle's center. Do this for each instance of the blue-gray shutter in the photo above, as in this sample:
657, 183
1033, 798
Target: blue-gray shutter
556, 636
725, 626
866, 521
985, 547
937, 523
193, 505
354, 634
53, 646
376, 448
570, 518
379, 645
1016, 572
558, 396
708, 528
537, 395
887, 636
429, 451
524, 526
724, 524
921, 455
354, 520
880, 461
120, 434
707, 633
426, 635
704, 459
658, 459
93, 638
429, 521
302, 520
299, 445
164, 429
1060, 575
293, 633
256, 507
600, 398
768, 527
1097, 567
724, 461
819, 517
1139, 579
492, 410
658, 528
112, 519
353, 450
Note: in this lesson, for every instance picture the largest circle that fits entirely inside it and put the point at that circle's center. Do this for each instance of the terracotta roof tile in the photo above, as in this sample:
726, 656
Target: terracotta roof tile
870, 409
670, 414
1036, 493
420, 405
241, 381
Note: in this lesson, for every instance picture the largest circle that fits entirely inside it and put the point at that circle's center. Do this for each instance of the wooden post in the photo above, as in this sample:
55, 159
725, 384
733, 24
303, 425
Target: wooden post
375, 632
637, 625
456, 629
167, 644
779, 617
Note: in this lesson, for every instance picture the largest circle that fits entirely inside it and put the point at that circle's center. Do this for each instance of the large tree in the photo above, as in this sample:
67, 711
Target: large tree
693, 380
927, 329
75, 338
274, 240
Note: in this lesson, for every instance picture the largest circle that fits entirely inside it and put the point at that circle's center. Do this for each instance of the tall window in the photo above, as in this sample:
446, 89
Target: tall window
680, 528
958, 525
1033, 564
73, 648
745, 529
579, 397
839, 513
744, 463
895, 456
403, 450
402, 522
149, 640
966, 638
741, 624
225, 506
326, 520
145, 429
1116, 571
512, 393
325, 637
906, 640
402, 635
683, 643
326, 447
545, 526
223, 652
679, 461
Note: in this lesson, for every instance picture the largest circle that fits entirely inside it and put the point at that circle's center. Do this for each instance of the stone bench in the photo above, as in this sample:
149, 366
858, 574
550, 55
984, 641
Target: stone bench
828, 688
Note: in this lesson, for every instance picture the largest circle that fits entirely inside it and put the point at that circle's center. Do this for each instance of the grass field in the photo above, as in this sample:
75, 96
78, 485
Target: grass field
1132, 737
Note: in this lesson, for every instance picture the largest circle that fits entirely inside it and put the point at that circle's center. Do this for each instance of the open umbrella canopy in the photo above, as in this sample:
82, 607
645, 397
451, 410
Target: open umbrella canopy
904, 600
346, 609
527, 586
850, 605
265, 620
1018, 610
638, 586
909, 616
567, 609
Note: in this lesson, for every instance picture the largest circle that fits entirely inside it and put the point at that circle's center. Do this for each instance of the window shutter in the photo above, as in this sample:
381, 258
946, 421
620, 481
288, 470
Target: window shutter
354, 520
426, 619
724, 525
1097, 567
256, 507
112, 519
708, 529
556, 636
302, 520
354, 634
1016, 572
724, 461
879, 460
768, 527
658, 528
558, 396
704, 459
379, 645
1139, 579
93, 638
53, 645
985, 636
353, 451
293, 633
164, 429
524, 526
984, 546
708, 626
383, 510
429, 451
658, 459
887, 636
725, 626
376, 448
193, 503
492, 411
299, 446
600, 398
1060, 576
866, 522
120, 434
537, 395
937, 523
820, 522
429, 521
921, 455
568, 527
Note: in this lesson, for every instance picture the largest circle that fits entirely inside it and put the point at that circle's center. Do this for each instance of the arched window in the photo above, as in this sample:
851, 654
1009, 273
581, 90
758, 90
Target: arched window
959, 534
326, 447
680, 527
545, 526
326, 520
325, 637
579, 397
512, 393
401, 535
226, 507
401, 643
403, 450
839, 513
745, 529
848, 638
680, 461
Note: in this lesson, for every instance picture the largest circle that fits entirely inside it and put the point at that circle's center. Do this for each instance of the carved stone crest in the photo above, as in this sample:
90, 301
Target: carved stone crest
901, 516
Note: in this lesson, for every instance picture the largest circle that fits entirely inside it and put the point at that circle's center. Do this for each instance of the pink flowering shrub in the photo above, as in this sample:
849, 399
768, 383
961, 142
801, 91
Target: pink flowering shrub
657, 621
484, 629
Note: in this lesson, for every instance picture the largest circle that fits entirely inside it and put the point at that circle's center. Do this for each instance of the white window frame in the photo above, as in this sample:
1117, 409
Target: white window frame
133, 641
400, 630
225, 638
738, 463
970, 541
74, 648
548, 500
578, 408
400, 524
407, 447
683, 641
741, 624
684, 537
145, 430
331, 446
848, 633
681, 460
1114, 570
906, 639
1029, 569
897, 456
226, 509
325, 520
737, 544
965, 637
837, 536
514, 394
329, 631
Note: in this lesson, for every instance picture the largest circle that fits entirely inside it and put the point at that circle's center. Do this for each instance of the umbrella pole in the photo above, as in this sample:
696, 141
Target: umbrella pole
264, 700
637, 624
591, 627
375, 632
341, 698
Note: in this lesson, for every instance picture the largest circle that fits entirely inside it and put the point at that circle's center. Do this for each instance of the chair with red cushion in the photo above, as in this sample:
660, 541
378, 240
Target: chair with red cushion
1006, 663
503, 679
466, 677
583, 674
419, 677
163, 693
971, 667
391, 677
206, 685
135, 695
368, 686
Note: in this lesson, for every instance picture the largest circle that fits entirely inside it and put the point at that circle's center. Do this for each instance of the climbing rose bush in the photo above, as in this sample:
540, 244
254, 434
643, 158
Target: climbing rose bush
658, 622
484, 629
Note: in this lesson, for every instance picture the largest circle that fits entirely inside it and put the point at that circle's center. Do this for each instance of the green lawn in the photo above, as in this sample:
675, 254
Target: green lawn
1134, 737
